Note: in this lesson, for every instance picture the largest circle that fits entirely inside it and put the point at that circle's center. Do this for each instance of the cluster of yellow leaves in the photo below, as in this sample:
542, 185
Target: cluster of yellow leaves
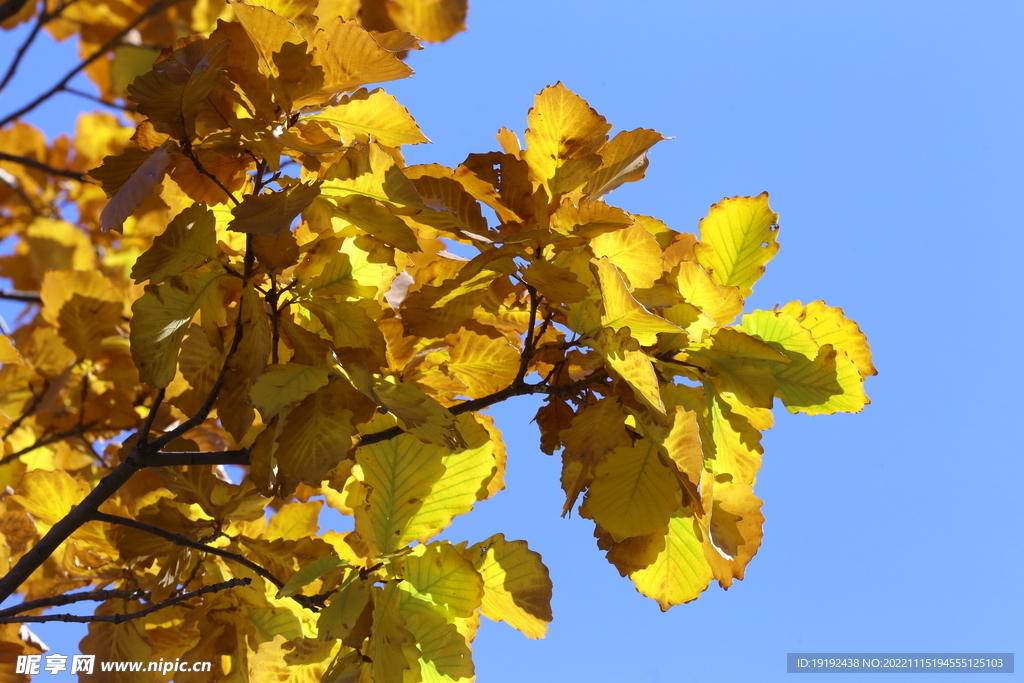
263, 245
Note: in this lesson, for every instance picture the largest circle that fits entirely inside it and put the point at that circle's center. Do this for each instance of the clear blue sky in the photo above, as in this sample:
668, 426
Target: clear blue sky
889, 137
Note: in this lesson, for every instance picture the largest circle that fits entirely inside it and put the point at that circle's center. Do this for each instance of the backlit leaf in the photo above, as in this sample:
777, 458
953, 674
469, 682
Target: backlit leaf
517, 588
737, 238
159, 319
189, 241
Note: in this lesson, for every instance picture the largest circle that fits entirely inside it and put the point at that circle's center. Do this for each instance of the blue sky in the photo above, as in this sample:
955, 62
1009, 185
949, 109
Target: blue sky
889, 138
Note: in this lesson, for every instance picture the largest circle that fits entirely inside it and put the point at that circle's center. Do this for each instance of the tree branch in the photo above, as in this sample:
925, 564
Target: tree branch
77, 430
178, 539
121, 618
69, 599
19, 295
23, 49
98, 100
40, 166
153, 9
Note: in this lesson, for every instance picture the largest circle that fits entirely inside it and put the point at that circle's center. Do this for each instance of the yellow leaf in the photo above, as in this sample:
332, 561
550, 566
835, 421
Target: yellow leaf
272, 214
159, 319
343, 610
722, 304
826, 384
431, 20
144, 171
189, 241
8, 354
295, 520
282, 386
268, 32
438, 574
596, 430
60, 286
816, 380
634, 250
623, 355
172, 94
623, 160
119, 642
829, 325
419, 413
563, 138
373, 218
680, 573
484, 364
317, 435
738, 237
588, 219
445, 656
272, 662
350, 57
734, 530
85, 321
392, 648
622, 311
517, 587
369, 171
376, 114
781, 331
274, 621
348, 326
49, 496
633, 492
735, 445
554, 282
245, 366
467, 477
399, 474
308, 574
683, 445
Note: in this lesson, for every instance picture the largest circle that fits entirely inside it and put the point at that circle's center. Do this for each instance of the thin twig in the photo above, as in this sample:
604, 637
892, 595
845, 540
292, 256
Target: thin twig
178, 539
10, 181
18, 295
40, 166
23, 49
121, 618
147, 424
99, 100
191, 154
155, 8
71, 598
77, 430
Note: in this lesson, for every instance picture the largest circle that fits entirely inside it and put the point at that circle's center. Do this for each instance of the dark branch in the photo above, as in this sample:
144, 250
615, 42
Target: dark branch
59, 600
24, 47
121, 618
98, 100
153, 9
77, 430
187, 542
40, 166
18, 295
